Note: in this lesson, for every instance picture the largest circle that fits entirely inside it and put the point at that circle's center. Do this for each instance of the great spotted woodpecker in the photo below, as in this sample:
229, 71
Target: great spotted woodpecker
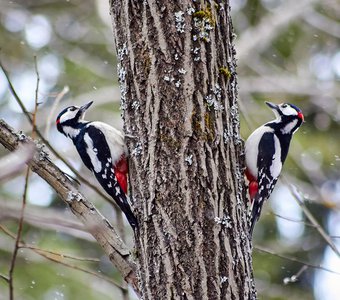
102, 150
266, 150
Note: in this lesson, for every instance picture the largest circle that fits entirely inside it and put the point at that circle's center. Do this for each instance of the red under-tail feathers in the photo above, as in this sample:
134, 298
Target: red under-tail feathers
121, 169
253, 185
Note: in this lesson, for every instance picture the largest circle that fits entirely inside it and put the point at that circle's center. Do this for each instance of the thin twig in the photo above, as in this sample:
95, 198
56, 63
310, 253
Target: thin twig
34, 118
61, 255
262, 249
4, 277
18, 237
293, 220
54, 108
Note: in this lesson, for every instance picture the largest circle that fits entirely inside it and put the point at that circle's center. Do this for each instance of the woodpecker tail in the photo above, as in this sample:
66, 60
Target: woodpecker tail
255, 211
124, 205
111, 185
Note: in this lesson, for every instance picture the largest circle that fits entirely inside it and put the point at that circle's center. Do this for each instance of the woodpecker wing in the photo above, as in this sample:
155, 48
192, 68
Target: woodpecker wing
269, 167
95, 153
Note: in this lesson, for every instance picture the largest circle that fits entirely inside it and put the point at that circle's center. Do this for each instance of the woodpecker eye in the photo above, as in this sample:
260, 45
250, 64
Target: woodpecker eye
73, 108
284, 105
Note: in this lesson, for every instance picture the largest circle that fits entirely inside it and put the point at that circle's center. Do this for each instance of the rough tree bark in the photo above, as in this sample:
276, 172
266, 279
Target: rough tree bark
176, 68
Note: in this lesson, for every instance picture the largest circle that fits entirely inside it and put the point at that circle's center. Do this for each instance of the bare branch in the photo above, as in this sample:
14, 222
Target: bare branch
268, 251
53, 109
13, 163
94, 221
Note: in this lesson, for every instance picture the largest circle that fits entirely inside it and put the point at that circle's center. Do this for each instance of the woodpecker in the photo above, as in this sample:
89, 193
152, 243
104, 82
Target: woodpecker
266, 150
102, 150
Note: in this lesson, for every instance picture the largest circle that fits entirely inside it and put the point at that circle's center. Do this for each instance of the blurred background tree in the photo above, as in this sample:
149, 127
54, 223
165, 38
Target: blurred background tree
286, 50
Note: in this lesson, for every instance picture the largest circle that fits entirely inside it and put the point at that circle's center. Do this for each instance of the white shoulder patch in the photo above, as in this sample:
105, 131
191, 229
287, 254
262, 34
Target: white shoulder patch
97, 165
114, 138
252, 148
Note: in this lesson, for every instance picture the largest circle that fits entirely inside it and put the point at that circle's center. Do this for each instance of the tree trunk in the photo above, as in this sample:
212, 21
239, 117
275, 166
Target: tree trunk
176, 68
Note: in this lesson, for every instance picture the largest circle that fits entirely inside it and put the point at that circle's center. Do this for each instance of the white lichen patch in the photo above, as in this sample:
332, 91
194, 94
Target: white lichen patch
226, 135
202, 27
135, 105
188, 159
180, 21
137, 150
72, 196
224, 221
223, 279
21, 136
213, 102
182, 71
121, 52
196, 53
190, 11
178, 83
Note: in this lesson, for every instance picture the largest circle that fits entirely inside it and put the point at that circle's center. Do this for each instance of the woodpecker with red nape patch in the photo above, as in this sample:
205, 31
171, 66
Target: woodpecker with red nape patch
266, 150
102, 150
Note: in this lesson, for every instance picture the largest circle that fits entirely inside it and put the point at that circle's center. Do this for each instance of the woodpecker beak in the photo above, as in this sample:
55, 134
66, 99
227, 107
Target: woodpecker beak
272, 105
85, 107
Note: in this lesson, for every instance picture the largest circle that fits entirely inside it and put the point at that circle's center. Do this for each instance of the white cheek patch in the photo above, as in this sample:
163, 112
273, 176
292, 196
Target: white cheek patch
97, 165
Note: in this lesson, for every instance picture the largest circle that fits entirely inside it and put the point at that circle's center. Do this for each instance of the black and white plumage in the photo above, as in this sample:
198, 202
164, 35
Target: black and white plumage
102, 150
266, 150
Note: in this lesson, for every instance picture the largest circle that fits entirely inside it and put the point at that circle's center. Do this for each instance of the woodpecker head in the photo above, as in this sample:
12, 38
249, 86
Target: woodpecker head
69, 119
287, 114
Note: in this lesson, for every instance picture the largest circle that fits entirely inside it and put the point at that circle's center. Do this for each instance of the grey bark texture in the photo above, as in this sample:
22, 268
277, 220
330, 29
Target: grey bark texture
176, 66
